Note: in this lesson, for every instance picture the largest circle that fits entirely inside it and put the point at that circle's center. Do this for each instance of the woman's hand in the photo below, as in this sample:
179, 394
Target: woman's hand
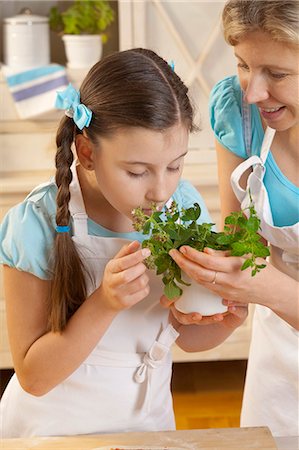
125, 282
221, 273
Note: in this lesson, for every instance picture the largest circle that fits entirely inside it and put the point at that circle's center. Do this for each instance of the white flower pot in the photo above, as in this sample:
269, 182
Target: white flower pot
196, 298
82, 51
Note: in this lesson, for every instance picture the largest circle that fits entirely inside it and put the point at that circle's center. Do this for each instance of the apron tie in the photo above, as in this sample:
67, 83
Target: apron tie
154, 359
151, 360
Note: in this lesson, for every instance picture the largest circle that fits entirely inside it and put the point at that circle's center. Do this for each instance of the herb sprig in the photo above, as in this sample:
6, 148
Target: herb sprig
172, 228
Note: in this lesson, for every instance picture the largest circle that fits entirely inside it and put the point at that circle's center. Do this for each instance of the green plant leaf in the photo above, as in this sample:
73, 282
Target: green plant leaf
171, 290
247, 263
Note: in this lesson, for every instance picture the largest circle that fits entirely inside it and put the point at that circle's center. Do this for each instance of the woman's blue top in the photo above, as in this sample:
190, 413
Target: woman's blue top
226, 122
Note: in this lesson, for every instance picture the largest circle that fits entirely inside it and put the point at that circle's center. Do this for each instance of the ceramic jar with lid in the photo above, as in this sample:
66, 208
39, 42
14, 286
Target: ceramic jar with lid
26, 40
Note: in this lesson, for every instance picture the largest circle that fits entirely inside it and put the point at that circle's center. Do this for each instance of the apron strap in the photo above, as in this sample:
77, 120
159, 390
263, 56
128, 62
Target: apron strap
252, 161
76, 205
246, 125
266, 145
237, 174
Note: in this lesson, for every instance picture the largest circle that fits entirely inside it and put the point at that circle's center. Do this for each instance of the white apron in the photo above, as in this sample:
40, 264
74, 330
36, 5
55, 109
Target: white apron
124, 384
271, 388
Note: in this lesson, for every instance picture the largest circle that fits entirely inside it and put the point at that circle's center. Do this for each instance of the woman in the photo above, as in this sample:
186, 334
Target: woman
261, 105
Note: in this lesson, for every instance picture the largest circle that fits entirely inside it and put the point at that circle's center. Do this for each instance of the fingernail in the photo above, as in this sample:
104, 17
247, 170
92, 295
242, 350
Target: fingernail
145, 252
195, 317
218, 318
172, 252
183, 250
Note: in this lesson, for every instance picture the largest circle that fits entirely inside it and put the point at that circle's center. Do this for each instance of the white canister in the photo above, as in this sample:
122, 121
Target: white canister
26, 40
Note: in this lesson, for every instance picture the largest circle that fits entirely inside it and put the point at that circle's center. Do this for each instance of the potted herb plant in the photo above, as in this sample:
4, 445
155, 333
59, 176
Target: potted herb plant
172, 228
82, 26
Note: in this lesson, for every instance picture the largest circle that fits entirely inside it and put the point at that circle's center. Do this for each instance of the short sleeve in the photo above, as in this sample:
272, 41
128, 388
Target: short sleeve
186, 195
225, 115
27, 236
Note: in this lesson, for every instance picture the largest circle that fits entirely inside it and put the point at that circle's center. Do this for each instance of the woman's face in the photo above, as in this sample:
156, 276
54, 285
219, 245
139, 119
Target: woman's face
137, 167
269, 76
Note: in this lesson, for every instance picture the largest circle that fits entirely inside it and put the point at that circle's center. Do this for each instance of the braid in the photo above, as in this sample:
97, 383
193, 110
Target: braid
68, 286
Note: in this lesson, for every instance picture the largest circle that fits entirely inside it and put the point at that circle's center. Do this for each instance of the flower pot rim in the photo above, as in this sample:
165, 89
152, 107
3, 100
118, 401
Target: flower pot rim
81, 36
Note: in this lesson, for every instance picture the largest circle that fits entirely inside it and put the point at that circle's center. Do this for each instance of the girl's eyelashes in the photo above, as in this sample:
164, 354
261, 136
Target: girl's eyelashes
242, 66
140, 175
174, 169
136, 175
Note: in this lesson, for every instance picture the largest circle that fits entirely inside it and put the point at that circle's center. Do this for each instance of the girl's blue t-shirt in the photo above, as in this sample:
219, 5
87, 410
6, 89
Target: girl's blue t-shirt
28, 230
226, 122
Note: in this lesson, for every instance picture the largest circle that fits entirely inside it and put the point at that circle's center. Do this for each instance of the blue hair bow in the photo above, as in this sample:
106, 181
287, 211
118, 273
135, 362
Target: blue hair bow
69, 100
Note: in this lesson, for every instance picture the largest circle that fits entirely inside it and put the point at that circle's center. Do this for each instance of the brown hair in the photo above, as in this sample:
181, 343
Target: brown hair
276, 17
133, 88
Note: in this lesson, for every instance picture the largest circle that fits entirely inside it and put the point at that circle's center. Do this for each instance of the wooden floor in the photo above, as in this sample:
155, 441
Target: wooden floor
205, 394
208, 394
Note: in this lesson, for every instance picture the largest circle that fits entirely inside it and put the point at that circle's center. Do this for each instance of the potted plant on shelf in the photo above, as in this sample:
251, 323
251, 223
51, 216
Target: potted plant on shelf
172, 228
82, 26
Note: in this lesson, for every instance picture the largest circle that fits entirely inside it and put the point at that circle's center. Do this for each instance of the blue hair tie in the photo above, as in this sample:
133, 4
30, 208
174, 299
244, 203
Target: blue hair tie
62, 229
171, 64
69, 100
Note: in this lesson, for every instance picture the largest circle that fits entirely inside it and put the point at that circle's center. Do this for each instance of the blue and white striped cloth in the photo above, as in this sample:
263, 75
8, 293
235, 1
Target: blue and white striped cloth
34, 90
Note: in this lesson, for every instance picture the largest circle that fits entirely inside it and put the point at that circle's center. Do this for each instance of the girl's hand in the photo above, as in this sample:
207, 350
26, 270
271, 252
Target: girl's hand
233, 318
125, 282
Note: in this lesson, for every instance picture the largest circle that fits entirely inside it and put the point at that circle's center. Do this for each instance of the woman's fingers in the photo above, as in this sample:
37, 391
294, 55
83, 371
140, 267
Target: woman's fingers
165, 302
193, 268
214, 262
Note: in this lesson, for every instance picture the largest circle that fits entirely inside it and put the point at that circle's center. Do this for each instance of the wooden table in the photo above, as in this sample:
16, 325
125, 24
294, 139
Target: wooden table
216, 439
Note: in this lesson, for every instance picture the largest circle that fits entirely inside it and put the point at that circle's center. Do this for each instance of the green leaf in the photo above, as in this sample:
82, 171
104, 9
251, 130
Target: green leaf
192, 213
171, 290
260, 250
253, 224
239, 249
224, 239
156, 216
247, 263
162, 262
147, 227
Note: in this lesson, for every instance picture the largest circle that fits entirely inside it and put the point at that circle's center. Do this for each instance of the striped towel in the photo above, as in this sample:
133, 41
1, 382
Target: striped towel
34, 90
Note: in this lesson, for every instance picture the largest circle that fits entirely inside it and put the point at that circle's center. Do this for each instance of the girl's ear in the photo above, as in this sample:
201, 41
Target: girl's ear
84, 150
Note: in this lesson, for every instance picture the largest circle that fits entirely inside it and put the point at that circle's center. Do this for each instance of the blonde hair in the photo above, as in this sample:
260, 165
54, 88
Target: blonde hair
275, 17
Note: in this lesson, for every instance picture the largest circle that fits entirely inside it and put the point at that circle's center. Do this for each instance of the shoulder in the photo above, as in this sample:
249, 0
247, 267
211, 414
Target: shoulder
186, 195
27, 232
225, 108
228, 89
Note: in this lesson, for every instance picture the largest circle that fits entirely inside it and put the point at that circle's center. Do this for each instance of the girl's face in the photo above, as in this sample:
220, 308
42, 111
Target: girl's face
138, 166
268, 73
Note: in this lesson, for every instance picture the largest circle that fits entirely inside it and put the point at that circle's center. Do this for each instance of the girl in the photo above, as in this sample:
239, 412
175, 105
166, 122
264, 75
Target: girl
255, 118
89, 338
